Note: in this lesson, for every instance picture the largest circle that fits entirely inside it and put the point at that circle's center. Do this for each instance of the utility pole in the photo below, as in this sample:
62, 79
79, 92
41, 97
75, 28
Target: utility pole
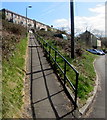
72, 28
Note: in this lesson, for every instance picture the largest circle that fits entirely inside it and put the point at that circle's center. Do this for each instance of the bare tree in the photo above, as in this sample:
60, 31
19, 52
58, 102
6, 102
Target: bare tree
98, 33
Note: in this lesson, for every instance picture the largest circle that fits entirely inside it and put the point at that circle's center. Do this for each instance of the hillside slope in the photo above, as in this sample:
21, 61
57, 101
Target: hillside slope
14, 44
83, 62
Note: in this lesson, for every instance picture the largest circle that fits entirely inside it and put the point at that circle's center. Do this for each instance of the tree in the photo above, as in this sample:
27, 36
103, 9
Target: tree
98, 33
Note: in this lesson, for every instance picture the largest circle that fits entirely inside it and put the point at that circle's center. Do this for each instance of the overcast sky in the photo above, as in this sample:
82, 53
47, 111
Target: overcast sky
88, 15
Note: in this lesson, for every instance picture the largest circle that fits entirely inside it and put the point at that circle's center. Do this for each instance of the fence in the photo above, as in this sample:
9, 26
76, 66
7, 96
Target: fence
53, 55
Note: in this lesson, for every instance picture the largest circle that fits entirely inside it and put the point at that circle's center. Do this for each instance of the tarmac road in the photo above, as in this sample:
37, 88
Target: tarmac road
98, 107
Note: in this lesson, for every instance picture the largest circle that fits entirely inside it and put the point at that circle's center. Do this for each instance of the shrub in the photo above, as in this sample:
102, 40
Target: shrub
11, 35
78, 51
14, 28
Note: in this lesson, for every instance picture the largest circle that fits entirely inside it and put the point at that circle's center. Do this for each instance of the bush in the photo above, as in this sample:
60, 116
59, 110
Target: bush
46, 33
78, 51
11, 35
13, 28
8, 45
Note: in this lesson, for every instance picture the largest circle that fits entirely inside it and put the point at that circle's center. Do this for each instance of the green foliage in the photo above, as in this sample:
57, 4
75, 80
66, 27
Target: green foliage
83, 63
78, 51
45, 33
49, 29
13, 63
11, 35
9, 45
13, 81
14, 28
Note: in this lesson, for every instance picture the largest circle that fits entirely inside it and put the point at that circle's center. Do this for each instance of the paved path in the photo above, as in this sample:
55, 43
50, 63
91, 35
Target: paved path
48, 97
98, 109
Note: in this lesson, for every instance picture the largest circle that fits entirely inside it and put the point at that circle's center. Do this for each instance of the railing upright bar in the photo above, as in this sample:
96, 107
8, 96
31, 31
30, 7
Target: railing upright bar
48, 48
64, 72
76, 91
55, 60
49, 52
55, 55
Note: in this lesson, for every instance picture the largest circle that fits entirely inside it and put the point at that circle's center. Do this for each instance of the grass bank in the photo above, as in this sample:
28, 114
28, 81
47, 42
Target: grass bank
84, 65
12, 81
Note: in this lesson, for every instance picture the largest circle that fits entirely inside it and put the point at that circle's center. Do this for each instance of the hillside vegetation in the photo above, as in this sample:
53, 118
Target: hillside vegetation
11, 35
83, 62
14, 43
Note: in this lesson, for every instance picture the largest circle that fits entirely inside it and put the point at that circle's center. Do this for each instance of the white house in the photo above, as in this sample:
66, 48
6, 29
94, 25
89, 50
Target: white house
19, 19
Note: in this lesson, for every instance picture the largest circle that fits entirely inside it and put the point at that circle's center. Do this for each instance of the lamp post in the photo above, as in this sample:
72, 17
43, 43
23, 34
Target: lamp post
26, 18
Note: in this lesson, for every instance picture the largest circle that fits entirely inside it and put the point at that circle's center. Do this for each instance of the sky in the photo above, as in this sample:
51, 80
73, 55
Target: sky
88, 15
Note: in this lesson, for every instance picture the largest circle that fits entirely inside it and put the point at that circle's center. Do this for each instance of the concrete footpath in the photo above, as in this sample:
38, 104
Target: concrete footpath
48, 97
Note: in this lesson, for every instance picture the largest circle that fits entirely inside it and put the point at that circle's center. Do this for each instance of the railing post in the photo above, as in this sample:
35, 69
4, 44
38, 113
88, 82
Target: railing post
49, 52
64, 72
55, 56
46, 45
43, 46
42, 43
55, 60
46, 49
76, 91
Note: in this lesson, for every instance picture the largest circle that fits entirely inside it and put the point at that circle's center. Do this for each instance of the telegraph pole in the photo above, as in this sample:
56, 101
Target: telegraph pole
72, 28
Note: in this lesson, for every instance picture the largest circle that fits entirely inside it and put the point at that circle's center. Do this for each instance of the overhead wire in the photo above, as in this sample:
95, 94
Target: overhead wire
51, 9
77, 30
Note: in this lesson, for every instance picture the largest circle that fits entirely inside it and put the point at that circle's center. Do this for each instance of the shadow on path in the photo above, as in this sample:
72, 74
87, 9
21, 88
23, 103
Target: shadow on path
61, 107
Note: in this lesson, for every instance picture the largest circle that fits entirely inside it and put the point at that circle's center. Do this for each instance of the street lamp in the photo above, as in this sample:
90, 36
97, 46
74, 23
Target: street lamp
26, 17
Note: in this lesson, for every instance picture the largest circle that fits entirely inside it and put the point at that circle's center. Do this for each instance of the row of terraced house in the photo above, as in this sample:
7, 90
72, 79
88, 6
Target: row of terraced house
19, 19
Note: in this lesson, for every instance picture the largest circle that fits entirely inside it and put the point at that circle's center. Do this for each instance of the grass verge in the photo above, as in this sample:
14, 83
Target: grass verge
12, 81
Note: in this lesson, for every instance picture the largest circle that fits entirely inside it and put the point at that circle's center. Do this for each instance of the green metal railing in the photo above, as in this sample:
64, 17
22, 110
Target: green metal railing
53, 55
